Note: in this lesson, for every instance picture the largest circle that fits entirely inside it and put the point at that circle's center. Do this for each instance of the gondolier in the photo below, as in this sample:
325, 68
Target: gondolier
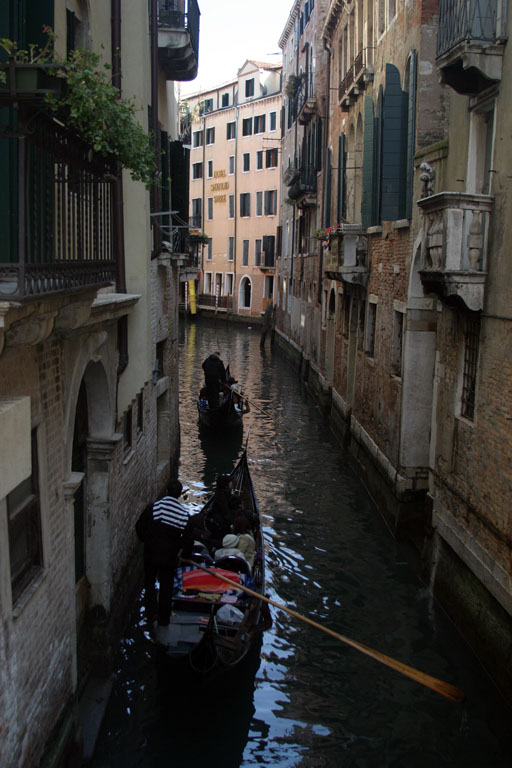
164, 528
214, 377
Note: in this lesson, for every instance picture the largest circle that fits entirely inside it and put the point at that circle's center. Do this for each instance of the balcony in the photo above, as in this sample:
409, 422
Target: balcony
357, 77
303, 188
266, 262
306, 103
470, 43
58, 219
454, 247
347, 255
178, 38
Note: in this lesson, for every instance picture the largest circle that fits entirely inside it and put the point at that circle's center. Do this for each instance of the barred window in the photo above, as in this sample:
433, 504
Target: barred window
471, 341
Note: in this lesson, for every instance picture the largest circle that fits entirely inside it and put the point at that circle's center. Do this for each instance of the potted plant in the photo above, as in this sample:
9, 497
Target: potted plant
294, 84
90, 104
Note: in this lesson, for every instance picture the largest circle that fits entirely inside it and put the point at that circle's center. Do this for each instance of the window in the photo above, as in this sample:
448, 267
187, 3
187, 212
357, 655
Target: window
230, 130
245, 253
197, 139
229, 284
269, 246
209, 250
470, 362
24, 528
208, 282
259, 203
270, 202
231, 161
160, 359
397, 343
231, 248
210, 135
273, 121
210, 169
225, 100
271, 158
249, 88
245, 204
246, 162
259, 160
207, 106
210, 208
197, 212
231, 201
268, 288
371, 327
257, 253
197, 170
259, 124
247, 126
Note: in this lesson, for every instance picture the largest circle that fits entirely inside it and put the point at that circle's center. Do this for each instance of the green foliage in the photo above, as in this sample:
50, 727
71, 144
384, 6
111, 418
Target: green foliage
93, 106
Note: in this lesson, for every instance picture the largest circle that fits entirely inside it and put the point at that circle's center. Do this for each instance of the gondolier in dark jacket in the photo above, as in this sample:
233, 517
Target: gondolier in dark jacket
165, 528
214, 377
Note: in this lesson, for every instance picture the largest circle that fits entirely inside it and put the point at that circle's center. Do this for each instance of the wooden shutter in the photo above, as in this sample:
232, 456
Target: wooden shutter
394, 148
369, 169
411, 133
341, 208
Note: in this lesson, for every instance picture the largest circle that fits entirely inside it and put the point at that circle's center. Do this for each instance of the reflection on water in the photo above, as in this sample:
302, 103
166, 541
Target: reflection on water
308, 701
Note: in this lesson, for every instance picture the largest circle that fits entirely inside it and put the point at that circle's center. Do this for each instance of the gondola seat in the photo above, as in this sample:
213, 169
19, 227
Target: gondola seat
234, 563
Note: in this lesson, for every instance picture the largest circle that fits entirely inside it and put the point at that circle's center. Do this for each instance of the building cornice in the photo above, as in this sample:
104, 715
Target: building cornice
333, 16
290, 24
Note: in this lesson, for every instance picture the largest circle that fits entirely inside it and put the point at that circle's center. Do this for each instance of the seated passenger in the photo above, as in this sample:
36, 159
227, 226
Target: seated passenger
229, 549
243, 530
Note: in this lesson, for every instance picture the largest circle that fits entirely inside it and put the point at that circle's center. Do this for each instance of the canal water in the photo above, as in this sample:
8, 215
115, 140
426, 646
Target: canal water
303, 698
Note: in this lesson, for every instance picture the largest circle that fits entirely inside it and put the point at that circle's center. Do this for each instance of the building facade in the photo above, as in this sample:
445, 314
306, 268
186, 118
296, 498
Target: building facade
402, 325
235, 137
89, 313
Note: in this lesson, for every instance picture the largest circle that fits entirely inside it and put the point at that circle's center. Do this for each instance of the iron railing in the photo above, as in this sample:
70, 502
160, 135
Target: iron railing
470, 21
62, 237
305, 184
181, 14
210, 300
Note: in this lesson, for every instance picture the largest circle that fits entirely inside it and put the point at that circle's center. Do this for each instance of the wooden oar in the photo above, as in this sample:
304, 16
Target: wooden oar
262, 410
439, 686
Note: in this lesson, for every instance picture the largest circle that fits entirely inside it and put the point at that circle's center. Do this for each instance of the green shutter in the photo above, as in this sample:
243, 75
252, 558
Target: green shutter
411, 132
394, 148
369, 169
328, 188
341, 209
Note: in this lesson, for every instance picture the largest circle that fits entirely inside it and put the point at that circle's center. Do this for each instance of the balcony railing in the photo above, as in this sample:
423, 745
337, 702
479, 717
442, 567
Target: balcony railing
210, 300
468, 20
455, 246
359, 73
62, 237
304, 185
470, 43
178, 38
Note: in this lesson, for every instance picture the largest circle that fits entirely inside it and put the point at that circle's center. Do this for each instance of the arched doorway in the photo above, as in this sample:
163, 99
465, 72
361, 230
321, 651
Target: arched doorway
244, 301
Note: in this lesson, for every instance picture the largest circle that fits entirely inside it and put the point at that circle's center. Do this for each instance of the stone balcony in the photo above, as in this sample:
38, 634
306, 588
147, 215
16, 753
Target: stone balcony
470, 43
454, 247
178, 38
347, 256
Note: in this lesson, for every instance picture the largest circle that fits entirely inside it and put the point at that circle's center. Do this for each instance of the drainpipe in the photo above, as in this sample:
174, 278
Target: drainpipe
118, 218
154, 120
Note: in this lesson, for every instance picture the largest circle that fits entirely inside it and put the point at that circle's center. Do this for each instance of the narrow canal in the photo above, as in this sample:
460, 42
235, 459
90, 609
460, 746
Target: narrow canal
305, 699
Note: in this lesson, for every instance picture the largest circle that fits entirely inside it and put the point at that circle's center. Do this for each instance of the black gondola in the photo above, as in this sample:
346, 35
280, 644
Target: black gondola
228, 413
213, 624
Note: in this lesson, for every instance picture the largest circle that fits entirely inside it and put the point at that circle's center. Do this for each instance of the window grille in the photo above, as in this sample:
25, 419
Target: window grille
471, 341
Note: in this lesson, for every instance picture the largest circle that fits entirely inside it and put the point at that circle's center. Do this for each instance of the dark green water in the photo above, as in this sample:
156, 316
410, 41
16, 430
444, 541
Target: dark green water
306, 699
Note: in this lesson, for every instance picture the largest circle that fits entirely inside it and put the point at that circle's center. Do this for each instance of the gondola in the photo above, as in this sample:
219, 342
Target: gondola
229, 412
214, 624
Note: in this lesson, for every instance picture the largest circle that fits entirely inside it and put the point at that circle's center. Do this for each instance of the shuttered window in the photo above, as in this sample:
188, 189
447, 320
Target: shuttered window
394, 147
342, 179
